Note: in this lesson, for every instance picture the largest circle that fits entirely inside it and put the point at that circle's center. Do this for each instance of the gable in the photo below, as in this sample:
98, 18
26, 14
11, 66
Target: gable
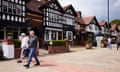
55, 5
93, 21
70, 11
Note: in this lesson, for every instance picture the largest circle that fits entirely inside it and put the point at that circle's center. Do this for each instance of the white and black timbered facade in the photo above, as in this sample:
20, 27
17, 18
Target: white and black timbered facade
12, 17
69, 22
53, 22
57, 23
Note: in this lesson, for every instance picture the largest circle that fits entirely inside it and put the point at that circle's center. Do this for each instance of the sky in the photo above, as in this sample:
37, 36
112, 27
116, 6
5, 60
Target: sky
98, 8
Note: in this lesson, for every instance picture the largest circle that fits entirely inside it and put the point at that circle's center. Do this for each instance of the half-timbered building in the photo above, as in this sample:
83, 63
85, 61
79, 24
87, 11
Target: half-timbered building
12, 17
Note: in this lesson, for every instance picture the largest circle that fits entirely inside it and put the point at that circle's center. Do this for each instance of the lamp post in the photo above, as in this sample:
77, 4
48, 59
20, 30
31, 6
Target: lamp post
108, 17
108, 10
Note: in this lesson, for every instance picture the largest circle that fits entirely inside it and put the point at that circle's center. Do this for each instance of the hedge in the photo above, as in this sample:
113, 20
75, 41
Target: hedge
58, 43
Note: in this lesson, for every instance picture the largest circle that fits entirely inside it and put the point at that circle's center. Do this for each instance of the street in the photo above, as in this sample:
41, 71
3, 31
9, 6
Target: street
85, 60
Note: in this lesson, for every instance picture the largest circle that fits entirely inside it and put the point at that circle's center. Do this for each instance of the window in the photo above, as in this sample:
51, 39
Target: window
54, 35
0, 9
9, 8
16, 1
5, 4
3, 17
90, 27
0, 3
23, 2
14, 9
8, 17
69, 35
46, 35
96, 28
19, 10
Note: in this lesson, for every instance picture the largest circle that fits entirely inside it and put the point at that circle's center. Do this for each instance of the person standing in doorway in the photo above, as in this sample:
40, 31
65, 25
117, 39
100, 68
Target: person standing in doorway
24, 45
33, 40
109, 43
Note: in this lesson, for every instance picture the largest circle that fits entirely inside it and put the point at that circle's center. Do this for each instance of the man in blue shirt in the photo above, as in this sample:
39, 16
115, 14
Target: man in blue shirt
32, 45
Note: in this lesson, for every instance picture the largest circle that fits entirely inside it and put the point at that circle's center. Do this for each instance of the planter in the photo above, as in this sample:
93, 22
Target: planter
102, 45
17, 52
88, 46
57, 49
9, 37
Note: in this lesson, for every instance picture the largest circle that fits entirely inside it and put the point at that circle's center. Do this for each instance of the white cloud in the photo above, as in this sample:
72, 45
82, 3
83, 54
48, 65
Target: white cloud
117, 3
97, 8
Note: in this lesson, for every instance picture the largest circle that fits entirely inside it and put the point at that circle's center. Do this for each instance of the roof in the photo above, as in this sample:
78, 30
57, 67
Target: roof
101, 23
79, 20
67, 7
87, 20
78, 13
33, 6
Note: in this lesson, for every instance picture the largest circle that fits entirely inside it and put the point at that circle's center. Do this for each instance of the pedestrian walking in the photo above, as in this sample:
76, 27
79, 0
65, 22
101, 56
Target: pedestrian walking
109, 43
24, 45
33, 40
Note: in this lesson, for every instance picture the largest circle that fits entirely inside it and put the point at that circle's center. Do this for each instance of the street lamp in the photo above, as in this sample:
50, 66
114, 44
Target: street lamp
108, 9
108, 15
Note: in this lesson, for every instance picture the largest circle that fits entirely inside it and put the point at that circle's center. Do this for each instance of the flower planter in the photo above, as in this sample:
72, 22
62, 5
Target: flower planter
57, 49
17, 52
88, 46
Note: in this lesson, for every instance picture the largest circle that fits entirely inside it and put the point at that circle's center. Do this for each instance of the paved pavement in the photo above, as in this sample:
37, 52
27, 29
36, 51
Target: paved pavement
91, 60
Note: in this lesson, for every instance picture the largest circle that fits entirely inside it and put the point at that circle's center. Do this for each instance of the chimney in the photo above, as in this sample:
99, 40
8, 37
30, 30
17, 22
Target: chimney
79, 14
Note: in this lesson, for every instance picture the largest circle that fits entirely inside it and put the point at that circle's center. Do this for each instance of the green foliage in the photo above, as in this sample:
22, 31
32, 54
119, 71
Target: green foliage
116, 21
58, 43
17, 43
114, 40
10, 34
89, 40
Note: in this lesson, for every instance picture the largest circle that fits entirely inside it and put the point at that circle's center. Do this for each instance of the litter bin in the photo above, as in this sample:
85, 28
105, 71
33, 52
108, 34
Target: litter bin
8, 50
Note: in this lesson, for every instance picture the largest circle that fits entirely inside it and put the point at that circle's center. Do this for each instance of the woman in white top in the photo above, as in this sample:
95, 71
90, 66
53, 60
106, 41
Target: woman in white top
24, 44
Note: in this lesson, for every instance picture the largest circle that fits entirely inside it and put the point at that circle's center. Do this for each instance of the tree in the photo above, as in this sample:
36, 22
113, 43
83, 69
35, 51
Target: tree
116, 21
